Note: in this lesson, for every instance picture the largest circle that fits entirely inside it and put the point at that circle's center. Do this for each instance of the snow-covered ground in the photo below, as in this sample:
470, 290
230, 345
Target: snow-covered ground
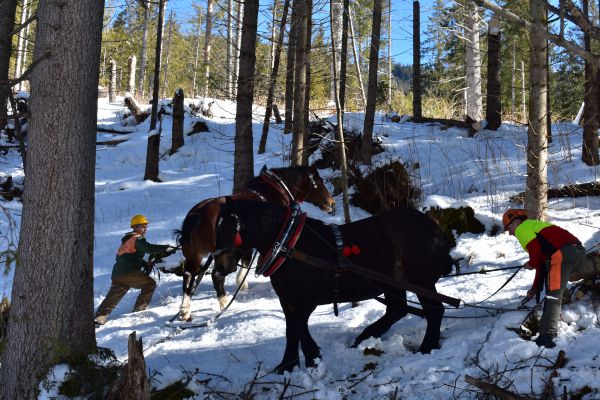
236, 354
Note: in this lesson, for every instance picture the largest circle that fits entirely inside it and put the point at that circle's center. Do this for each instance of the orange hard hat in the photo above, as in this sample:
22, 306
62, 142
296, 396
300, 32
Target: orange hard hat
511, 214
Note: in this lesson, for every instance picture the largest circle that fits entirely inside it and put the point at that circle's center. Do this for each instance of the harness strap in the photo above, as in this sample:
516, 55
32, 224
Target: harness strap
277, 183
341, 265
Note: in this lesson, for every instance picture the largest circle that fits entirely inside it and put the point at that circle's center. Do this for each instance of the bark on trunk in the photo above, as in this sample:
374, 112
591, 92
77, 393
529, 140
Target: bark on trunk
494, 104
344, 57
361, 85
229, 44
309, 24
244, 156
19, 62
289, 76
112, 85
196, 55
300, 84
7, 20
167, 51
178, 118
207, 38
273, 79
389, 54
131, 81
152, 150
366, 150
416, 84
474, 105
536, 193
144, 51
54, 311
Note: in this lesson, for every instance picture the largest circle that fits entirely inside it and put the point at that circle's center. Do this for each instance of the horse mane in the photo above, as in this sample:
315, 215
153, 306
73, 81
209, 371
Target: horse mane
291, 175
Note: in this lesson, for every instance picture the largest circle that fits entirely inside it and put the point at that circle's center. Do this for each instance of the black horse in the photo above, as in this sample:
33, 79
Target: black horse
402, 244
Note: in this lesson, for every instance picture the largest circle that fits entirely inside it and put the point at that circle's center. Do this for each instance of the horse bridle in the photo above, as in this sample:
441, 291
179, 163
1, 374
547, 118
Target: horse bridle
234, 248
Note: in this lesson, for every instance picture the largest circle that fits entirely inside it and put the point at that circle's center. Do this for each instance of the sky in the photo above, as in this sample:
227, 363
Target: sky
401, 21
237, 353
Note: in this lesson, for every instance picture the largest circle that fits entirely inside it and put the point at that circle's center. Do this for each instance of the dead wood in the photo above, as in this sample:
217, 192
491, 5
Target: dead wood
4, 309
133, 383
115, 130
561, 360
199, 126
493, 389
577, 190
139, 115
471, 125
111, 142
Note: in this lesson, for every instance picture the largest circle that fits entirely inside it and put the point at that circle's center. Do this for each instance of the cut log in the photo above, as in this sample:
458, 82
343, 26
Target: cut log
577, 190
492, 389
115, 130
111, 142
134, 383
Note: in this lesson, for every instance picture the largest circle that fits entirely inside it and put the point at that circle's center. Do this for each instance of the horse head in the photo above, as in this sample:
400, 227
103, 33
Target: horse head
306, 184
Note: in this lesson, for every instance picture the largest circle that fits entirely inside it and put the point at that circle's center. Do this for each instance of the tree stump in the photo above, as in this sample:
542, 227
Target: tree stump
134, 383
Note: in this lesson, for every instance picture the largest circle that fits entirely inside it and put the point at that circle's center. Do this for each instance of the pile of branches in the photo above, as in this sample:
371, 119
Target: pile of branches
9, 190
385, 187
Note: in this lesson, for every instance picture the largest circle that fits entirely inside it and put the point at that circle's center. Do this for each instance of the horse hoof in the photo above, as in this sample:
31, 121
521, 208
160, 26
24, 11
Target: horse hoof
285, 367
223, 301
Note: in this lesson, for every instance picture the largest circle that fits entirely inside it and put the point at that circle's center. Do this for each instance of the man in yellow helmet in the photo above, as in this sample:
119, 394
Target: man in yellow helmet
127, 272
555, 254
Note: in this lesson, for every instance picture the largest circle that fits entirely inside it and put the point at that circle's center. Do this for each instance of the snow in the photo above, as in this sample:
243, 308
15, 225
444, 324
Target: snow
237, 353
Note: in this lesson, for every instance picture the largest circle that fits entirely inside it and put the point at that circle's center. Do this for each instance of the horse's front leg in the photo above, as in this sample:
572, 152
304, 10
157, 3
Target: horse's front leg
189, 277
218, 278
293, 327
243, 272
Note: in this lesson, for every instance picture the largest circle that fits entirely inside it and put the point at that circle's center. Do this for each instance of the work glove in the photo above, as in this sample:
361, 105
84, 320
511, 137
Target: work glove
530, 295
148, 267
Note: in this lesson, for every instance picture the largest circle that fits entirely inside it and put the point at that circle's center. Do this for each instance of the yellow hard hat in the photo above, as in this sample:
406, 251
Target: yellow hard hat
138, 220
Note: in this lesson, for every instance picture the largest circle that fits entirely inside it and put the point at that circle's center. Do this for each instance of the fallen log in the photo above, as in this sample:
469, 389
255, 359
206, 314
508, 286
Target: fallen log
492, 389
139, 115
471, 125
115, 130
577, 190
111, 142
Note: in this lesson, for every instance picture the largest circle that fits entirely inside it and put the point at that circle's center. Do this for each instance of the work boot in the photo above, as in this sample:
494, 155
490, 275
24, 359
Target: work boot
545, 340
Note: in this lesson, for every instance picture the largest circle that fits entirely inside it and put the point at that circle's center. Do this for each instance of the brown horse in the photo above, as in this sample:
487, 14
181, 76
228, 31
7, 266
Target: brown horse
197, 234
387, 253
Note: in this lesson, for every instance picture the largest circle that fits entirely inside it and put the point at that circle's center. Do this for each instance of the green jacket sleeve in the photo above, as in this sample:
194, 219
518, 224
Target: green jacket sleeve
142, 245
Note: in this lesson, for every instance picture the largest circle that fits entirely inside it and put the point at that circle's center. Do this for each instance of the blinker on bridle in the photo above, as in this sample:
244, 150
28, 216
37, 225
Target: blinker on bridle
237, 238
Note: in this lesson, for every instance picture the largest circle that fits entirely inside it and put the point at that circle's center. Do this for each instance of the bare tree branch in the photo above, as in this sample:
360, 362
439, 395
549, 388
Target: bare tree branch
557, 40
29, 20
25, 75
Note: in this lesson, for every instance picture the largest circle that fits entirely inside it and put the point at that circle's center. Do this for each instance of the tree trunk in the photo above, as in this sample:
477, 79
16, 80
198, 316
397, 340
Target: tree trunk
513, 82
523, 93
309, 22
21, 42
273, 32
366, 148
273, 80
338, 22
240, 13
340, 126
536, 192
153, 148
389, 54
416, 84
167, 51
589, 152
134, 383
300, 84
131, 81
51, 315
207, 37
244, 156
178, 118
143, 50
112, 83
474, 105
229, 44
8, 12
343, 57
494, 103
196, 56
289, 76
357, 61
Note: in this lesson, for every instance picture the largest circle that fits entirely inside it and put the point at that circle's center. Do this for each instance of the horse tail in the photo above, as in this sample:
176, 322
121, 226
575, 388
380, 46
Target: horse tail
177, 236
